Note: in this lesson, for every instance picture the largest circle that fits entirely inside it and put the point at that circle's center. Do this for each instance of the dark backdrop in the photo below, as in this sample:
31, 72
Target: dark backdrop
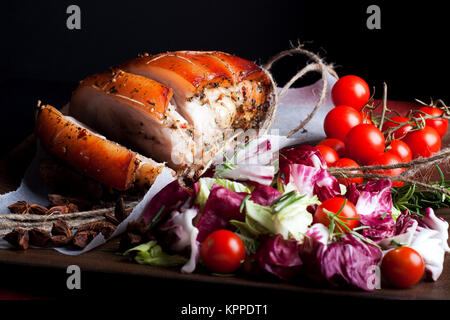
42, 59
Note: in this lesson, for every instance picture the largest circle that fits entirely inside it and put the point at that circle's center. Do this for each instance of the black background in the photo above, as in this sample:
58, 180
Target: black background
42, 59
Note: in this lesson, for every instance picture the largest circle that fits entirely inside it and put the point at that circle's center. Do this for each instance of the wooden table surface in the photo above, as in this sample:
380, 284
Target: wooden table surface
42, 272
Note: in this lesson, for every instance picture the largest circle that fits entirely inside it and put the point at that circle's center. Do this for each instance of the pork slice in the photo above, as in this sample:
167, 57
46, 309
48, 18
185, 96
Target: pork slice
92, 154
136, 112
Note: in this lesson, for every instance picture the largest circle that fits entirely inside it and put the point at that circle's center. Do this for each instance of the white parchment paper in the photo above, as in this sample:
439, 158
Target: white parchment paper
293, 107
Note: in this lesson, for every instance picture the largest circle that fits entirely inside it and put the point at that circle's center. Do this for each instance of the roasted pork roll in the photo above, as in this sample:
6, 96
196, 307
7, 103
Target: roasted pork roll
177, 108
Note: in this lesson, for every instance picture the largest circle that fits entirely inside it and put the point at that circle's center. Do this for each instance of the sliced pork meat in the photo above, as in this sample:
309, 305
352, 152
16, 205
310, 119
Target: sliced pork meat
136, 112
92, 154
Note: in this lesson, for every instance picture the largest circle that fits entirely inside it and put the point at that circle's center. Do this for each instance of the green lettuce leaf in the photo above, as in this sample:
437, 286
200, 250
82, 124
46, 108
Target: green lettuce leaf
286, 216
151, 253
395, 213
262, 215
291, 219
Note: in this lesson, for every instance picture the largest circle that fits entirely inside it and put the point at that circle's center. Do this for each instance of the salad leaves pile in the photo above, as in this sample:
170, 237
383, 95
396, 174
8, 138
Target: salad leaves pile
270, 206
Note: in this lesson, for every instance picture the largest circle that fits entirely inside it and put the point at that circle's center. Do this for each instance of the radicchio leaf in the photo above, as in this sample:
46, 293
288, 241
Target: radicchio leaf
347, 261
311, 250
263, 174
405, 228
326, 186
301, 176
302, 154
350, 261
264, 195
169, 198
310, 181
279, 257
373, 202
222, 206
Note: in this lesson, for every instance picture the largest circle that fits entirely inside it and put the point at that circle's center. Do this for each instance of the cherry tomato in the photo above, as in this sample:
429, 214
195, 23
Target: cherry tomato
329, 155
352, 91
348, 163
424, 142
336, 144
401, 149
366, 118
401, 132
340, 120
222, 251
402, 267
440, 125
385, 159
364, 142
348, 215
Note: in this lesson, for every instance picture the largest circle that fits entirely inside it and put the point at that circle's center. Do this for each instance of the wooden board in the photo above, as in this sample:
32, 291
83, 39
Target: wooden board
30, 269
103, 260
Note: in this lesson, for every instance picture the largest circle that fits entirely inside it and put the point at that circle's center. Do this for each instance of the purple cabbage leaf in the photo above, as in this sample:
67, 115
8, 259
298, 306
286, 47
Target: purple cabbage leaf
222, 206
165, 201
279, 257
347, 261
373, 202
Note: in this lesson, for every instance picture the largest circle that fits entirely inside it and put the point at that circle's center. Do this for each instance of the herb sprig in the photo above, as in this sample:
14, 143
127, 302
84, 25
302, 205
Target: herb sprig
415, 199
336, 222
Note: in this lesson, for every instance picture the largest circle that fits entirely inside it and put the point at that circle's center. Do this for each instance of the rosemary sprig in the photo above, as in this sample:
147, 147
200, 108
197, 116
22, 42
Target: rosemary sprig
332, 217
414, 198
285, 200
226, 165
336, 220
229, 163
156, 217
241, 207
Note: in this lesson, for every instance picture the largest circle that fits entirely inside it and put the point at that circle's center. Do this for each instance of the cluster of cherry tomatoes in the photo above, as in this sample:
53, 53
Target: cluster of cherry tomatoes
353, 139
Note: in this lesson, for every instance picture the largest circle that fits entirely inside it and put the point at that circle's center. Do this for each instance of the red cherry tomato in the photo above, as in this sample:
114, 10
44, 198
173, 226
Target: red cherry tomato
440, 125
385, 159
348, 163
348, 215
401, 132
402, 267
329, 155
424, 142
352, 91
366, 118
336, 144
364, 142
340, 120
400, 149
222, 251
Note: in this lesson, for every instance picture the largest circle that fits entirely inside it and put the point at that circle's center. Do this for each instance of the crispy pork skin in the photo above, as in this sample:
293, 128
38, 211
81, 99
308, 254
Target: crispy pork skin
92, 154
213, 90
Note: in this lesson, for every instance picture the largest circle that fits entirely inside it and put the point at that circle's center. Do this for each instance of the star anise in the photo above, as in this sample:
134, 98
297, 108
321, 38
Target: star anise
23, 207
37, 209
19, 238
19, 207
